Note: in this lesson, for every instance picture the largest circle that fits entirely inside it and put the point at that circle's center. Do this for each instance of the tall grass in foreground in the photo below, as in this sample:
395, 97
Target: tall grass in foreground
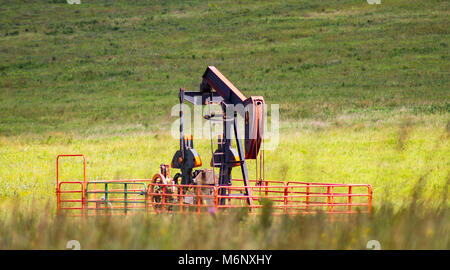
414, 226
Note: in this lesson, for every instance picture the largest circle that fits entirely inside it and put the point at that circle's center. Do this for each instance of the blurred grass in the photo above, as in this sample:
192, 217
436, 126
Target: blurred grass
412, 227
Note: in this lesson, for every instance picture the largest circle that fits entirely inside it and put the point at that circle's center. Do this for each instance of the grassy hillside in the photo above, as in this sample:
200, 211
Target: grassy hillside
115, 67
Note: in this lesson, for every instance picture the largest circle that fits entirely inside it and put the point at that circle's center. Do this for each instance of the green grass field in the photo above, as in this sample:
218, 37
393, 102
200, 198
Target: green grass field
363, 93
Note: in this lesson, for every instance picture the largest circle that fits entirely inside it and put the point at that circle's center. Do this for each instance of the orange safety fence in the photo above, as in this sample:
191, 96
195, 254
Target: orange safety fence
128, 196
302, 198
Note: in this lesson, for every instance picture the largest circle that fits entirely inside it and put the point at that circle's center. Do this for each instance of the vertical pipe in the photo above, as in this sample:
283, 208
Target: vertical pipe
84, 204
242, 160
260, 165
126, 197
263, 157
349, 198
198, 199
106, 197
224, 143
332, 198
58, 187
256, 171
328, 198
181, 123
307, 196
84, 169
57, 171
83, 188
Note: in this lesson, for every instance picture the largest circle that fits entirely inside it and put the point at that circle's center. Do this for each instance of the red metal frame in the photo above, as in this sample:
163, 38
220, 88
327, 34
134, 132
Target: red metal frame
60, 192
288, 198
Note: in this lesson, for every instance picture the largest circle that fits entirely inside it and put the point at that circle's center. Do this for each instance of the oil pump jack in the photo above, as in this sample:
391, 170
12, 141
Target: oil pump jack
196, 190
217, 89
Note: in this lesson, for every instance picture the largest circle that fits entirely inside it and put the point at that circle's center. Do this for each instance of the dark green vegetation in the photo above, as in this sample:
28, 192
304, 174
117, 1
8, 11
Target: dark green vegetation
105, 66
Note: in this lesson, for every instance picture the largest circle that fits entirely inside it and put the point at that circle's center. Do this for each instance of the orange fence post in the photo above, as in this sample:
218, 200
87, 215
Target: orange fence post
332, 199
328, 197
58, 187
349, 198
58, 201
370, 191
198, 199
307, 197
